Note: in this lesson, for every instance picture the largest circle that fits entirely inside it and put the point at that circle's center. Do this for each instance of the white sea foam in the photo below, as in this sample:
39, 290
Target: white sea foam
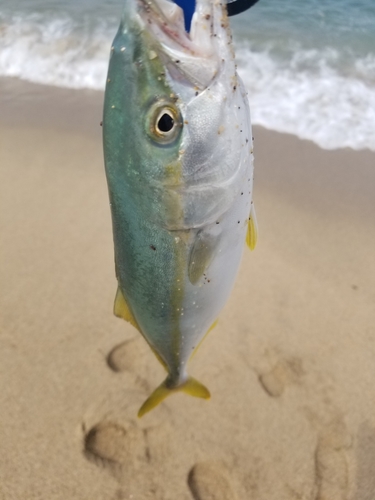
310, 97
307, 93
54, 52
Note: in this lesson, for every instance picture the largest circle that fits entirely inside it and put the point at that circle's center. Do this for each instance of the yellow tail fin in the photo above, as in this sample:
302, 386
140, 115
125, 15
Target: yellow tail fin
191, 387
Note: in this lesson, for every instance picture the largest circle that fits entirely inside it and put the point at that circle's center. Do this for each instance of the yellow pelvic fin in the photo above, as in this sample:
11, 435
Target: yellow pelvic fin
252, 229
122, 310
191, 387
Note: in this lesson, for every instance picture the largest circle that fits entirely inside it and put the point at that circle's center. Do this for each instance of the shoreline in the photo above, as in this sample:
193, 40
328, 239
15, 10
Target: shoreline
21, 100
290, 365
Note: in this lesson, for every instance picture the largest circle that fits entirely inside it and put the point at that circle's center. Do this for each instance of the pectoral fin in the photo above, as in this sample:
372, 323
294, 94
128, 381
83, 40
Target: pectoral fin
122, 310
191, 387
252, 229
201, 255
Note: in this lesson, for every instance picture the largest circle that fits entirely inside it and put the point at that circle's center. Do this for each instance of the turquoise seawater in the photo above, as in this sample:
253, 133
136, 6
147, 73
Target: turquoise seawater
308, 65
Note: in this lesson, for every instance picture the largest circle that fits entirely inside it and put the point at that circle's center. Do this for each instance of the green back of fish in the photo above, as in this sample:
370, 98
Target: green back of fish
149, 259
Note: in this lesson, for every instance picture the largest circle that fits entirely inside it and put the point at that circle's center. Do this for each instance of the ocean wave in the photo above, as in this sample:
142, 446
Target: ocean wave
312, 97
58, 52
314, 94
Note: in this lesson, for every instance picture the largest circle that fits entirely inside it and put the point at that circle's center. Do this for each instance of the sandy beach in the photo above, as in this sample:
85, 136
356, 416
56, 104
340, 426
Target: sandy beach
290, 366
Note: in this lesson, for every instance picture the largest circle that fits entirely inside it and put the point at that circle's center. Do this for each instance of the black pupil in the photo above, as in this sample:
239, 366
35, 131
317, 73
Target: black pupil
165, 123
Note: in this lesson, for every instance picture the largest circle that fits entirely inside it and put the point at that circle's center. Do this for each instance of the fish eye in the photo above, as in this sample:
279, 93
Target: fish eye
164, 122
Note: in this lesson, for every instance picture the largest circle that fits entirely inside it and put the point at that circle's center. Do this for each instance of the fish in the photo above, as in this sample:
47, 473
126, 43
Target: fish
178, 153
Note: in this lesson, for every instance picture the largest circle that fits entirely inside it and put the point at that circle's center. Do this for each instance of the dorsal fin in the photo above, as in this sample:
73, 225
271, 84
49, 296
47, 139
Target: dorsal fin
122, 310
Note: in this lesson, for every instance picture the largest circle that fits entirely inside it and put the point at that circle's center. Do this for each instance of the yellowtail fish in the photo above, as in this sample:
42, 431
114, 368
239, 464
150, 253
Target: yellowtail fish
179, 165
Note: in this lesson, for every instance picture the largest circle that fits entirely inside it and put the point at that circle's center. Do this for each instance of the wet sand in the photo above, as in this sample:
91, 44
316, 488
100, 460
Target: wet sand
290, 366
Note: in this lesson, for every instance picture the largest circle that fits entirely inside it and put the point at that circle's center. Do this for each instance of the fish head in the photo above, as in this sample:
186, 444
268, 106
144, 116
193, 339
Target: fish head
174, 109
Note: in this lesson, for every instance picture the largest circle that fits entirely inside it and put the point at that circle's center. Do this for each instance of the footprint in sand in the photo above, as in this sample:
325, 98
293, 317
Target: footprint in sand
126, 356
112, 445
132, 357
365, 481
210, 481
285, 372
124, 451
331, 463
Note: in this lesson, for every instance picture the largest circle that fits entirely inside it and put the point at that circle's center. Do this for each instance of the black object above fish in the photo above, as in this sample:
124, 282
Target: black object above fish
237, 6
234, 7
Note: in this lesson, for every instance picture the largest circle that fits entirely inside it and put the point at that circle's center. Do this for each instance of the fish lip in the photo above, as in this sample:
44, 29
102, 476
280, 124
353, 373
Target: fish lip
192, 59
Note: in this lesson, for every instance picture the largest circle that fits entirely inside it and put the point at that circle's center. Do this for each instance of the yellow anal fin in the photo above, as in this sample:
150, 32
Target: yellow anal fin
252, 229
122, 310
205, 335
191, 387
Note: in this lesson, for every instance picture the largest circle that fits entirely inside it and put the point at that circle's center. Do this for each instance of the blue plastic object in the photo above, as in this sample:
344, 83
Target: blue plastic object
188, 6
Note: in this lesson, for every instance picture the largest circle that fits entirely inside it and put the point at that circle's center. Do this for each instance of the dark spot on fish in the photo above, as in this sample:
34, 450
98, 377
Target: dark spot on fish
177, 61
217, 222
153, 247
101, 124
240, 130
207, 16
234, 87
238, 222
241, 193
196, 93
208, 281
252, 138
247, 140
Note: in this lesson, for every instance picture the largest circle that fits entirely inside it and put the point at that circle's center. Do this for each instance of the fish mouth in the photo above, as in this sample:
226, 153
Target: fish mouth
198, 55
